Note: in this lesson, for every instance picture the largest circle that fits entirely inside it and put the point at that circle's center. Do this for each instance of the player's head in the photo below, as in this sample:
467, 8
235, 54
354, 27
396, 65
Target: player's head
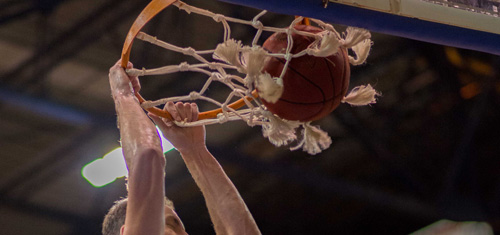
115, 219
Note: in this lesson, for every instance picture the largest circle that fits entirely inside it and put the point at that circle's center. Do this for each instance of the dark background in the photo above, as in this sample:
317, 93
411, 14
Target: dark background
428, 150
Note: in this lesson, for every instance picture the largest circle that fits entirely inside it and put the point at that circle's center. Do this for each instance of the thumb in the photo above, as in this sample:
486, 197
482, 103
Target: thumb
159, 122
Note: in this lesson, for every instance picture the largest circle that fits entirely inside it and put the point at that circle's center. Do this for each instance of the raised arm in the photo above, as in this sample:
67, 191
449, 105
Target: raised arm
227, 209
143, 154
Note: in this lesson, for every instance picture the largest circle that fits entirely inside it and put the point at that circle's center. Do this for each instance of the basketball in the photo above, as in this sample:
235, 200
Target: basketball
312, 86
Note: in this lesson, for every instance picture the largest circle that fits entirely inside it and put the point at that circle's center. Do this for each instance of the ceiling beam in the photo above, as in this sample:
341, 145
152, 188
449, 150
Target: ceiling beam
42, 107
69, 43
50, 212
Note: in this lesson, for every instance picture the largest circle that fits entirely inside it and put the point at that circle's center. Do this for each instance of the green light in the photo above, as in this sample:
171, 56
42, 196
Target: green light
165, 144
107, 169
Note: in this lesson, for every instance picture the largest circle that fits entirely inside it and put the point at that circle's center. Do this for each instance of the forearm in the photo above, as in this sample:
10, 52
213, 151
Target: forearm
136, 130
229, 213
146, 163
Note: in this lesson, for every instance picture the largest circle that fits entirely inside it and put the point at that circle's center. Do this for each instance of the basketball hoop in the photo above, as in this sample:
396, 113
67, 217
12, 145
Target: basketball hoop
245, 70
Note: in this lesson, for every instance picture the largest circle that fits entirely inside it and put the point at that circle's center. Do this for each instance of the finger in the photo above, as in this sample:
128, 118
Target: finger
181, 110
194, 112
188, 112
170, 107
135, 84
163, 125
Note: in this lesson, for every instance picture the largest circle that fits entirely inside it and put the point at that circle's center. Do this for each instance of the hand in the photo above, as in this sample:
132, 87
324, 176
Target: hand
184, 139
120, 82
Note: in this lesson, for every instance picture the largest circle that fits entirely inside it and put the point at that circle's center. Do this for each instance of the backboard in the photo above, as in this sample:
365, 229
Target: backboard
469, 24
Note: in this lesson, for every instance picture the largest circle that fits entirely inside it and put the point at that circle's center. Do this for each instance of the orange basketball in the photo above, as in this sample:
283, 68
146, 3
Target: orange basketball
313, 86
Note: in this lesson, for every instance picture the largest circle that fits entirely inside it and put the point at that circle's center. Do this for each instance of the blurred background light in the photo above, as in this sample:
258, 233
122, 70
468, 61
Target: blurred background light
112, 166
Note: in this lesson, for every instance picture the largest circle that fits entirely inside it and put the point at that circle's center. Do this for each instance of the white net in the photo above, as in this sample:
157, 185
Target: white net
240, 67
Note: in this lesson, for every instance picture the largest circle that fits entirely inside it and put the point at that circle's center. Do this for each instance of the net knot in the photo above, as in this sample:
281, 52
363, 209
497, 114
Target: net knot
215, 75
222, 117
190, 51
183, 67
213, 66
218, 17
194, 95
257, 24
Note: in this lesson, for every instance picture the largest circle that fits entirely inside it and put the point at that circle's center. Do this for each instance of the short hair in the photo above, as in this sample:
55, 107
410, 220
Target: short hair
115, 218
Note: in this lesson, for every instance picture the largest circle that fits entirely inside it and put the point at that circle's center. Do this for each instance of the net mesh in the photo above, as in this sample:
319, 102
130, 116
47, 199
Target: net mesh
240, 68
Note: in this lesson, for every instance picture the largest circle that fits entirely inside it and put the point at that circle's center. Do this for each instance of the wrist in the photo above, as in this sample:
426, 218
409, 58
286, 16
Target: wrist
193, 150
123, 96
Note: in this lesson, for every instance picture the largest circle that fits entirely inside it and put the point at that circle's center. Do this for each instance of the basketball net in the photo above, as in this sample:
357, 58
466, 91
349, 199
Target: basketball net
240, 67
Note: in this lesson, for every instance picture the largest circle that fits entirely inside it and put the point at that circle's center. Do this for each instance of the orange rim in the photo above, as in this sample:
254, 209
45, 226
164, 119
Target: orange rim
150, 11
304, 21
